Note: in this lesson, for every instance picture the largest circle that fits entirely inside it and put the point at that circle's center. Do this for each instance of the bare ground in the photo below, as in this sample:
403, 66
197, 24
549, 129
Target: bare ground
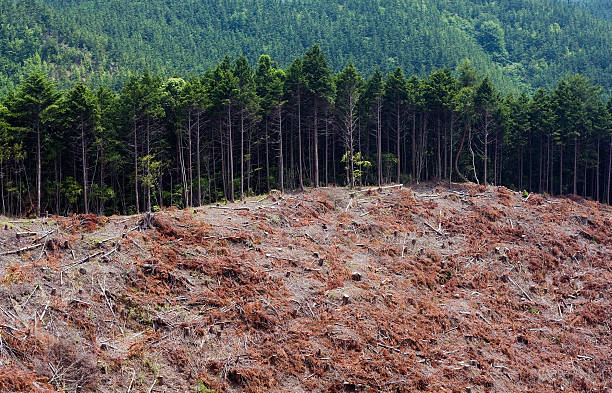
467, 289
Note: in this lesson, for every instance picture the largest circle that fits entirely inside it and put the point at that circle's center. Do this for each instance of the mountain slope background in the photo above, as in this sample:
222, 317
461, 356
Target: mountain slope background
520, 44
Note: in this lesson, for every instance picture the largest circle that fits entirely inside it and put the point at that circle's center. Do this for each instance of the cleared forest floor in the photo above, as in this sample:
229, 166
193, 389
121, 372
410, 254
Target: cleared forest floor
469, 289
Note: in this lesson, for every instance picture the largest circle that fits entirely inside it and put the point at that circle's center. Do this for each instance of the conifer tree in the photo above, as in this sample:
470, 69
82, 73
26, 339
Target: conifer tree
372, 106
318, 81
81, 114
349, 86
34, 101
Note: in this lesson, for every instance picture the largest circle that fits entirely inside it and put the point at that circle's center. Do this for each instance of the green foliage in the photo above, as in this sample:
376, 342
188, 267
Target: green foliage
360, 164
72, 190
200, 387
182, 141
525, 43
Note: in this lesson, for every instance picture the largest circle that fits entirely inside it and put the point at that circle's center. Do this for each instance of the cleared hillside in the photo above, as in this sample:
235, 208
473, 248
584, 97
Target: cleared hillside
393, 290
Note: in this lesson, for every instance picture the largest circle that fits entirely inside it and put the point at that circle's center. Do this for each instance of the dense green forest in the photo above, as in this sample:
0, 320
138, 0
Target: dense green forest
519, 44
240, 129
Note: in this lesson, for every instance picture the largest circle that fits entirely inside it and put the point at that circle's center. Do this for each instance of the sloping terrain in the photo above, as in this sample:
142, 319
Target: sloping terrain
467, 289
521, 44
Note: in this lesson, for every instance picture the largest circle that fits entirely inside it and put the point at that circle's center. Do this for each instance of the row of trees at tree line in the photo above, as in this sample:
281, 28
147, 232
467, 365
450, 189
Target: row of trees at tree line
238, 131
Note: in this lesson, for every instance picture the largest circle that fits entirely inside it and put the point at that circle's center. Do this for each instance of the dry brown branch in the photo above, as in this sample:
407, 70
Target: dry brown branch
84, 260
230, 208
439, 232
522, 290
28, 248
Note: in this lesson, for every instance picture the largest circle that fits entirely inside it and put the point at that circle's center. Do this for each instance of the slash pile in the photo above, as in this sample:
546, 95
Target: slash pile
428, 288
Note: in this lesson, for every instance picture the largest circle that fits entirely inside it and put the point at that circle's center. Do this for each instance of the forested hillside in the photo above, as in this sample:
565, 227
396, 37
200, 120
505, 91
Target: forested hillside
519, 44
242, 129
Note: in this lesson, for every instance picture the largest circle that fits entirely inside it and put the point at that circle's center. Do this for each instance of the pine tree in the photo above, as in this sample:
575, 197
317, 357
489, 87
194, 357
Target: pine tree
294, 91
33, 103
270, 85
349, 86
81, 113
485, 102
372, 107
318, 81
247, 105
395, 99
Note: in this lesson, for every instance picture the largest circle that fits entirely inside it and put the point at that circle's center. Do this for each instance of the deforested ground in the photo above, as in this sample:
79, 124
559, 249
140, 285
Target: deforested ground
425, 288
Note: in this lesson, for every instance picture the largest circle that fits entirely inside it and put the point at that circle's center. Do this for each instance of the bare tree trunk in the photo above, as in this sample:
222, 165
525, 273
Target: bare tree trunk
459, 155
242, 154
2, 184
315, 139
575, 165
230, 153
182, 169
148, 188
439, 153
414, 145
84, 168
300, 163
530, 169
38, 169
520, 169
550, 167
351, 140
198, 159
280, 149
560, 170
495, 162
267, 158
584, 189
102, 174
445, 145
57, 185
379, 139
326, 148
224, 164
450, 162
598, 169
136, 168
486, 142
190, 151
609, 171
398, 138
473, 159
541, 160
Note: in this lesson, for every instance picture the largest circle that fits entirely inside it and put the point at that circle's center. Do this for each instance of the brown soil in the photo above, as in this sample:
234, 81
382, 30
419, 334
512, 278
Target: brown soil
468, 289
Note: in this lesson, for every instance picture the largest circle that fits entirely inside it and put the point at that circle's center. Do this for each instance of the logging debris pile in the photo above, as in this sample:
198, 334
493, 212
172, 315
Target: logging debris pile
429, 288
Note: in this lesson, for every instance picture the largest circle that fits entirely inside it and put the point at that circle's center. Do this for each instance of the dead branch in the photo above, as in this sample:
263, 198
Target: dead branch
230, 208
293, 261
25, 234
439, 232
105, 256
110, 306
31, 294
522, 290
44, 235
84, 260
377, 188
152, 385
32, 247
132, 381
